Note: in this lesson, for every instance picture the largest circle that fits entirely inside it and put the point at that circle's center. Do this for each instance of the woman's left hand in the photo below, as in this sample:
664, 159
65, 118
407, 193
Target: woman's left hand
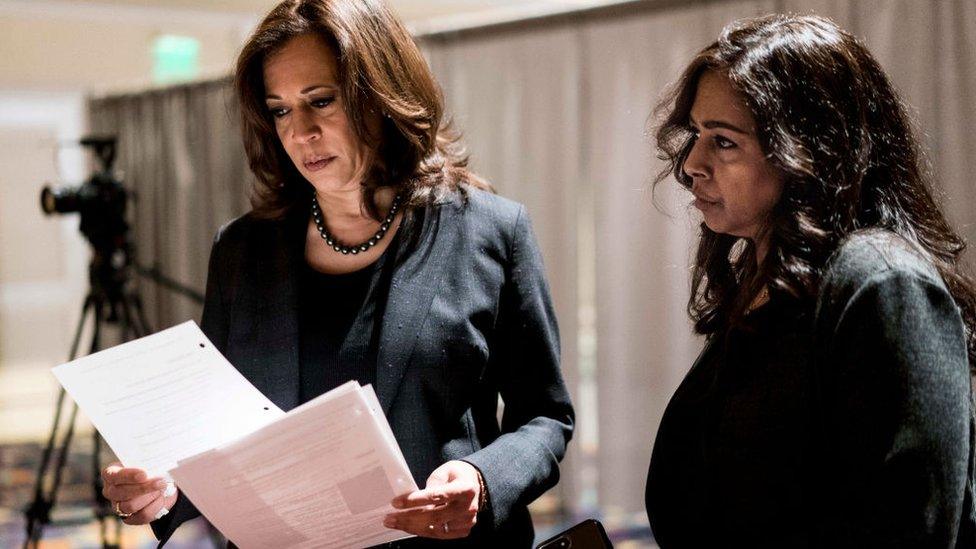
446, 509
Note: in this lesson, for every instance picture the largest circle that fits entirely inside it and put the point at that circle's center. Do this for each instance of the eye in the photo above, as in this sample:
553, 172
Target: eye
323, 102
277, 112
723, 143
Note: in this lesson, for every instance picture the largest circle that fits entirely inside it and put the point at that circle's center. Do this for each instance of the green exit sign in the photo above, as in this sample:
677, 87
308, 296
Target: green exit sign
175, 59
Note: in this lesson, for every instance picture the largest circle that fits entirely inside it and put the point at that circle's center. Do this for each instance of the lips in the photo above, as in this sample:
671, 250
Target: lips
703, 203
705, 199
318, 162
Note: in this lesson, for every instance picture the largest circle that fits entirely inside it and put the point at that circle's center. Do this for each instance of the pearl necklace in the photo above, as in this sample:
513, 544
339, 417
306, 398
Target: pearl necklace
339, 247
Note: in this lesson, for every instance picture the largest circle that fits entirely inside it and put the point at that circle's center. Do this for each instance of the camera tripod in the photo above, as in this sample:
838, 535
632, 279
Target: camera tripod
107, 302
101, 201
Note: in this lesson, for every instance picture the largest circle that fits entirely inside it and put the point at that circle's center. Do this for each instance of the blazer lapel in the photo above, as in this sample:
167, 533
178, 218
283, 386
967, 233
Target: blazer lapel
417, 275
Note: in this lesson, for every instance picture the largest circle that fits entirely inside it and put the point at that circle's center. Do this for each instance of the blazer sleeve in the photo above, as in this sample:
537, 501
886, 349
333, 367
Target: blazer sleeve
537, 421
896, 416
214, 325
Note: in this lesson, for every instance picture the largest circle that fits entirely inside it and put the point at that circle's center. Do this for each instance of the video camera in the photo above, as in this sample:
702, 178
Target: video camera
101, 201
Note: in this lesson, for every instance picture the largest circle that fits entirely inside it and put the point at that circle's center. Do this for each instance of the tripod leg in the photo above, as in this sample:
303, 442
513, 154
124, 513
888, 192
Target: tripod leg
89, 306
97, 310
103, 509
103, 512
141, 314
133, 325
130, 329
51, 499
63, 456
38, 513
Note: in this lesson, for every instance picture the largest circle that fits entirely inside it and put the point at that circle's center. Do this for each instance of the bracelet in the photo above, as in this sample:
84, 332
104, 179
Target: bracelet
483, 492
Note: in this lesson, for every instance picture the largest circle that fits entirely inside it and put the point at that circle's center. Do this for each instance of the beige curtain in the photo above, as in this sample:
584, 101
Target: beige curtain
554, 112
180, 153
519, 114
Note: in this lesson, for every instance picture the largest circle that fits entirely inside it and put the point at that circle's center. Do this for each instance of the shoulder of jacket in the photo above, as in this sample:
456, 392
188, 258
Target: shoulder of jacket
487, 210
872, 262
248, 232
866, 253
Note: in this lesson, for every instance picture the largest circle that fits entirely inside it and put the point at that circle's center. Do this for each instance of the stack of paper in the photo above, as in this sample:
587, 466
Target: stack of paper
321, 475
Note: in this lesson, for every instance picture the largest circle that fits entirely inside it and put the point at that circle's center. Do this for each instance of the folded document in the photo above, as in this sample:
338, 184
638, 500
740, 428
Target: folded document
321, 475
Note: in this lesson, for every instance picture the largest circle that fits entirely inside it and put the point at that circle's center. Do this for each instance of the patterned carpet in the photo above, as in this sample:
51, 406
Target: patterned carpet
73, 521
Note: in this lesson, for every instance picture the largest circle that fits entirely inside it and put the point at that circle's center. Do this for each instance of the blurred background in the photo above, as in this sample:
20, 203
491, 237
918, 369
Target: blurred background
554, 99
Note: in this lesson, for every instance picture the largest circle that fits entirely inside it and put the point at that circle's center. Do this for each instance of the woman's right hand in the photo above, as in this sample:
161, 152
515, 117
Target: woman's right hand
134, 496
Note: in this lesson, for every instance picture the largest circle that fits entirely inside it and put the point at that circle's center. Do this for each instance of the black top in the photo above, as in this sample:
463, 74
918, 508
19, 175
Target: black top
339, 320
331, 354
846, 422
728, 464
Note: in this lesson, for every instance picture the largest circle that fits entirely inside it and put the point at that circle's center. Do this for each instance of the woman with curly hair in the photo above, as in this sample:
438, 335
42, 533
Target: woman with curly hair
831, 405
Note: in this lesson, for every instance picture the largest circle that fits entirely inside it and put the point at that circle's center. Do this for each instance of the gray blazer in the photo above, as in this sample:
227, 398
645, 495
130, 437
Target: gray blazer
844, 422
468, 318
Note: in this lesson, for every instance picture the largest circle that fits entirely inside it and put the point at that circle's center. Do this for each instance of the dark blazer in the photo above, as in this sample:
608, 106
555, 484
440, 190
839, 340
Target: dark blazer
468, 318
841, 423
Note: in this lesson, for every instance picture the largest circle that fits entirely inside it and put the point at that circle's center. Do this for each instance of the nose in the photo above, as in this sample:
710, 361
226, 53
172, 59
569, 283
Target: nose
305, 127
696, 164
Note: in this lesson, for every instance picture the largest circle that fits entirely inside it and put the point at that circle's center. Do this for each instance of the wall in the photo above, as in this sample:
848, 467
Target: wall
43, 260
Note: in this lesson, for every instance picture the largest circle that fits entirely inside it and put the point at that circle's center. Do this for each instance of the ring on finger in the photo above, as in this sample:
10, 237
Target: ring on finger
120, 513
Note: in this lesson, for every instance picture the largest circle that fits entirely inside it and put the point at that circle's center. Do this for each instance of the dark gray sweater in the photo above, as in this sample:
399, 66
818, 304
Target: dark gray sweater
842, 423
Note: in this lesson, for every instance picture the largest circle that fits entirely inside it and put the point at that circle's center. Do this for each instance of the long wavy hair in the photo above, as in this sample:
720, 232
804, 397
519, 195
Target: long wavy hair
381, 70
828, 118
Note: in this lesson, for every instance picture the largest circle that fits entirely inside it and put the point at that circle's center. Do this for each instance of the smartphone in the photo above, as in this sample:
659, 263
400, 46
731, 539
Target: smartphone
588, 534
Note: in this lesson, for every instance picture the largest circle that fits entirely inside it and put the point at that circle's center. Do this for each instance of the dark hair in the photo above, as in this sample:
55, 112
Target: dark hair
829, 120
381, 70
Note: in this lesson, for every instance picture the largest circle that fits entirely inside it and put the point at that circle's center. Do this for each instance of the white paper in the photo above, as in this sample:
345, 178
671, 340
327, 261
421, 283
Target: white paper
377, 410
165, 397
322, 476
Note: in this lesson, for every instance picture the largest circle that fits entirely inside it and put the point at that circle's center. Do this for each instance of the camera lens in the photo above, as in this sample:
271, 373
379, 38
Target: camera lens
48, 202
64, 199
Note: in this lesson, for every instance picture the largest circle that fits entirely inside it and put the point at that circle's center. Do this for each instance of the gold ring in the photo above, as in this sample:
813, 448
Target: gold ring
120, 513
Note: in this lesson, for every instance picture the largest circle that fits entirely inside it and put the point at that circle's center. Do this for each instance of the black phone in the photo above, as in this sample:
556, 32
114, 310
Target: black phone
588, 534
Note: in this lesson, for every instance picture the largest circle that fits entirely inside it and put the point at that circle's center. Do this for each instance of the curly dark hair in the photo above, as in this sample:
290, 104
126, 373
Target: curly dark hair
830, 121
381, 70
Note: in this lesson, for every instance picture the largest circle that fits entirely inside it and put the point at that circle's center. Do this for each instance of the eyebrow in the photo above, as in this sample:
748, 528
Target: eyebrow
309, 89
710, 124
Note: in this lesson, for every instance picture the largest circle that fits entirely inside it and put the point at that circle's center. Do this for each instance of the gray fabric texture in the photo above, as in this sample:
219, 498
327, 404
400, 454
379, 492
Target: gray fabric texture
468, 318
842, 423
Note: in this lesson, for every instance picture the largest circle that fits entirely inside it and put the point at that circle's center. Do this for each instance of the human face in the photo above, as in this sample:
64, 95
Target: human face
734, 184
303, 96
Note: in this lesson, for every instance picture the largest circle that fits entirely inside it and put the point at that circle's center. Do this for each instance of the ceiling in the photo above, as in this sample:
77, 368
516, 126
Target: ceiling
412, 11
406, 8
103, 45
